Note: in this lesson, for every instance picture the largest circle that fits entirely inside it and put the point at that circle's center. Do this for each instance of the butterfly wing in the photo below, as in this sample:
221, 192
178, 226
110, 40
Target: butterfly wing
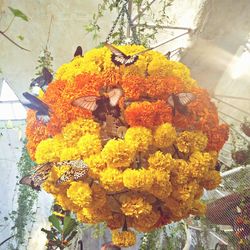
171, 100
72, 174
40, 105
78, 51
119, 58
114, 96
186, 98
86, 102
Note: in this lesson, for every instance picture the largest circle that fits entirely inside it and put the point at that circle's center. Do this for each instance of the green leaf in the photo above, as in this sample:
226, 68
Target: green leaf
19, 13
68, 225
20, 37
71, 236
55, 222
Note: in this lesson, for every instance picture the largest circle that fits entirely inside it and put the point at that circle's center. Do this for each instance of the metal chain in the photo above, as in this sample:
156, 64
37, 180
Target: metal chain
136, 39
123, 9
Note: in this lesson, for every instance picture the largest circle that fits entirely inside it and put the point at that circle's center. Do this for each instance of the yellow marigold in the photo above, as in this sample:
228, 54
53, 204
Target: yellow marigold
159, 161
111, 179
141, 179
199, 164
98, 195
182, 193
164, 135
134, 205
96, 165
123, 238
73, 131
66, 203
141, 137
80, 193
93, 215
198, 208
118, 153
145, 223
48, 150
180, 172
211, 180
161, 187
70, 70
188, 141
89, 145
71, 153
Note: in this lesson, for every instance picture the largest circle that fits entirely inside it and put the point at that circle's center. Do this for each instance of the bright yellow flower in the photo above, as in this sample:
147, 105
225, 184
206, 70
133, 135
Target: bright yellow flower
134, 205
80, 193
198, 208
71, 153
140, 179
211, 180
96, 165
145, 223
189, 141
180, 172
123, 238
73, 131
89, 145
159, 161
118, 154
111, 179
164, 135
139, 136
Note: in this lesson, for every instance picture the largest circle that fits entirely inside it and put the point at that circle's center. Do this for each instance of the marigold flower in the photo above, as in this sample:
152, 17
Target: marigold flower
96, 165
123, 238
89, 145
198, 208
164, 135
159, 161
212, 180
188, 141
134, 205
140, 179
148, 114
118, 153
139, 136
111, 179
80, 194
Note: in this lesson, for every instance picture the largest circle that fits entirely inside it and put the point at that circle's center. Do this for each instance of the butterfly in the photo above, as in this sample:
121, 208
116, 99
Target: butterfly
180, 101
101, 106
41, 108
41, 173
78, 51
77, 171
119, 58
41, 82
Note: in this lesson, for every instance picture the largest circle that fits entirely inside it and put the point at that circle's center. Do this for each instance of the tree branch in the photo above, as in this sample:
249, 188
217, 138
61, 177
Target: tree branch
19, 46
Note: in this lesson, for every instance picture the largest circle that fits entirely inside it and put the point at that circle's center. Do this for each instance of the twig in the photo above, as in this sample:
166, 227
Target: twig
19, 46
9, 25
6, 240
141, 12
130, 3
51, 19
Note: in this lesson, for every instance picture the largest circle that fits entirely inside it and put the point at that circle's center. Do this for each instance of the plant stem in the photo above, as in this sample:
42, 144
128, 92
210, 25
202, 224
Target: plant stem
19, 46
9, 25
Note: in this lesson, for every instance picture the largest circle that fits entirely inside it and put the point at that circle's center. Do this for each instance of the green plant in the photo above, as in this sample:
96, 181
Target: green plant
140, 25
16, 13
25, 202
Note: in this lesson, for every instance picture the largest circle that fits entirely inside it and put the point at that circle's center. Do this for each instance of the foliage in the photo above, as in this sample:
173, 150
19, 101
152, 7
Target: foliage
19, 13
44, 60
25, 201
145, 15
62, 231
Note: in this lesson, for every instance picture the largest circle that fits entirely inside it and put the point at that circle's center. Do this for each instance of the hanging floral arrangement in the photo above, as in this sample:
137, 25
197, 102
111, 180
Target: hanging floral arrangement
130, 139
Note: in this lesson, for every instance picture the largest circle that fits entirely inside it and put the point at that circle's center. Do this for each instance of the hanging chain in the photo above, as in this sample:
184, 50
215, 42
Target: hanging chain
122, 11
136, 39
